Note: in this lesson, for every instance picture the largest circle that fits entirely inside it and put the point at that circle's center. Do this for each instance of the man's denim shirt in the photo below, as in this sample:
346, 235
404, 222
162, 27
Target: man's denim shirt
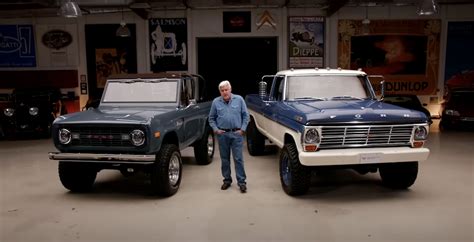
229, 115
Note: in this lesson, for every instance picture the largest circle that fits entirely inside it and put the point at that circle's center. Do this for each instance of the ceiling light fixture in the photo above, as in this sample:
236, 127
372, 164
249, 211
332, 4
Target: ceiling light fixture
69, 9
139, 5
123, 30
366, 22
427, 7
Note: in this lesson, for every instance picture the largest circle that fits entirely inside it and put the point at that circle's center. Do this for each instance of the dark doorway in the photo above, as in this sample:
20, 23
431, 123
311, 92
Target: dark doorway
242, 61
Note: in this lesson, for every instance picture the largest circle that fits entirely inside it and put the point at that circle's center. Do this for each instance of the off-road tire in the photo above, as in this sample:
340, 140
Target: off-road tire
76, 177
295, 178
161, 181
399, 175
204, 147
255, 140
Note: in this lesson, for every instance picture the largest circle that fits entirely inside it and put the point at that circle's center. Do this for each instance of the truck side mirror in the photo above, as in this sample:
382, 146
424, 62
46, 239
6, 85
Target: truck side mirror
382, 90
262, 89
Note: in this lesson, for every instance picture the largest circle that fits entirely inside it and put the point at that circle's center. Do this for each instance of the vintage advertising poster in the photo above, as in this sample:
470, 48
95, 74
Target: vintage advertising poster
306, 42
108, 62
168, 44
459, 71
405, 52
17, 46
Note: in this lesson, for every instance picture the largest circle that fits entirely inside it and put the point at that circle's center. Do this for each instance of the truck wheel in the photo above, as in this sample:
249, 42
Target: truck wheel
255, 140
443, 125
166, 172
399, 175
204, 148
76, 177
295, 178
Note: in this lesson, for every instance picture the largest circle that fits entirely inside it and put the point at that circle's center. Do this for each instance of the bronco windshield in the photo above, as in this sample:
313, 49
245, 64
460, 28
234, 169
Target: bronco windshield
141, 90
327, 87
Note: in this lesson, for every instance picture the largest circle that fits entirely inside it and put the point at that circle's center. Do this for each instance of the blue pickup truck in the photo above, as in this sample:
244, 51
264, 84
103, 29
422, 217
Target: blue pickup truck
141, 124
331, 118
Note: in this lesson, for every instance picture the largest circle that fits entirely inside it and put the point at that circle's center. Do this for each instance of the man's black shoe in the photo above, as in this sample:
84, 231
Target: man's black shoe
243, 188
225, 186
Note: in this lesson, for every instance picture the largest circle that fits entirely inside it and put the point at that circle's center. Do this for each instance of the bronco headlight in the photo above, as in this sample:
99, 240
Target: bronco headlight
138, 137
33, 111
64, 136
421, 133
8, 112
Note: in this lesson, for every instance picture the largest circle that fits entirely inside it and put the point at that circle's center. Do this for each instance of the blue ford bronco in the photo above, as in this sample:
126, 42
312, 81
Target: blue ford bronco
331, 118
141, 124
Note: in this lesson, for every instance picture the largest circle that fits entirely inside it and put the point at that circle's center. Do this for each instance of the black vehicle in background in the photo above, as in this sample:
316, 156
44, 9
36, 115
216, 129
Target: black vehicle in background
458, 109
31, 111
408, 101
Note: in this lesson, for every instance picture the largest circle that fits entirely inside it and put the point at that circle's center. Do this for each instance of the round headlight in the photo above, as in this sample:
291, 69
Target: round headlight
64, 136
421, 133
9, 112
33, 111
311, 136
138, 137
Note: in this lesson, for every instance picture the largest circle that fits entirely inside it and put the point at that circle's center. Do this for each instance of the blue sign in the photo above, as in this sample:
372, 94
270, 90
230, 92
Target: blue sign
17, 46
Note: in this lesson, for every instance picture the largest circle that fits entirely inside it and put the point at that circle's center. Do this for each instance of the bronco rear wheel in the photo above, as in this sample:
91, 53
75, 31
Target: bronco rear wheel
295, 178
167, 170
204, 148
76, 177
399, 175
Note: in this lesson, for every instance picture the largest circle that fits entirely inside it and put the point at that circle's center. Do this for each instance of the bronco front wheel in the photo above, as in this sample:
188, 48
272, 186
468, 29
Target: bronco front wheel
166, 172
76, 177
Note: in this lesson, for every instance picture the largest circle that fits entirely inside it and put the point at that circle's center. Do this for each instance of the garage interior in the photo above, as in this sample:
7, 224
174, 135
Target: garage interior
341, 205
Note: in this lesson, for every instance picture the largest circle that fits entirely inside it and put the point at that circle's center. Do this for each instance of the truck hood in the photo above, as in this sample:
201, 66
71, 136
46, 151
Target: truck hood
114, 115
353, 111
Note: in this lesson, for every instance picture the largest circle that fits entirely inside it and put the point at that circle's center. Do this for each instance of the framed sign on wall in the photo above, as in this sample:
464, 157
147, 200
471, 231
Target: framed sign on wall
306, 42
168, 44
405, 52
17, 46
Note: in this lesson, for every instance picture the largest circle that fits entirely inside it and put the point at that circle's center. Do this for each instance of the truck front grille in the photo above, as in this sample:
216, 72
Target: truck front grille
102, 136
366, 136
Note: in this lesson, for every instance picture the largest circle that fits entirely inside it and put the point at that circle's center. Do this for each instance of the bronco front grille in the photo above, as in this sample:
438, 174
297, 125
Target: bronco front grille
102, 136
366, 136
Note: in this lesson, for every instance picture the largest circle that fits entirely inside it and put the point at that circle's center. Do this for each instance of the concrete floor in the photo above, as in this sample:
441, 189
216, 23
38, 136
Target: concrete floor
340, 206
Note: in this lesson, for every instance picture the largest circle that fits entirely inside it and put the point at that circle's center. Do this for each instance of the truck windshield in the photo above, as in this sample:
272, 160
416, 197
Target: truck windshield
141, 91
327, 87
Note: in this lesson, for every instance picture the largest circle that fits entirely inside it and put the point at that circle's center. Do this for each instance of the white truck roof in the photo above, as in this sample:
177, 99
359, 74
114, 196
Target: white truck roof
327, 71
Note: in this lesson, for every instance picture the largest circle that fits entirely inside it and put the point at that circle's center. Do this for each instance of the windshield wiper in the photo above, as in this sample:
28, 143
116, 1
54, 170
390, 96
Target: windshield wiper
347, 97
142, 80
310, 98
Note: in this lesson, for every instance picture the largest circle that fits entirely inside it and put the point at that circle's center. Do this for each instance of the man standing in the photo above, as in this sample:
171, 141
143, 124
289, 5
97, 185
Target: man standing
229, 119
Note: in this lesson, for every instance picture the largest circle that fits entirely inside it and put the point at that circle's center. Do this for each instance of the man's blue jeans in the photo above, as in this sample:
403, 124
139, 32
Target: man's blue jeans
231, 141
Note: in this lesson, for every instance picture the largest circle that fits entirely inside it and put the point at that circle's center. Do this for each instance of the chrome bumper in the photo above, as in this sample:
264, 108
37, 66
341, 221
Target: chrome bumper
103, 158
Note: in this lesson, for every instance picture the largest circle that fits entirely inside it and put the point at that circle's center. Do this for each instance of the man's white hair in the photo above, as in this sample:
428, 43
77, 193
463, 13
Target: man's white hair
224, 84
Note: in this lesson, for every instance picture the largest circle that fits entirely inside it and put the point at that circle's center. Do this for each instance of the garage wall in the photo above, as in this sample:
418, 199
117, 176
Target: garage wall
208, 23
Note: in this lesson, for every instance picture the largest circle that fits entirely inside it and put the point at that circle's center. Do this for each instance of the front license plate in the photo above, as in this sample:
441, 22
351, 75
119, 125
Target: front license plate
370, 158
